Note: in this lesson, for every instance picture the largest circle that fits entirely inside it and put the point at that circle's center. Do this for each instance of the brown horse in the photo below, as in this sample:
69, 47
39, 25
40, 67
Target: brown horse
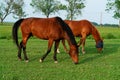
84, 28
51, 29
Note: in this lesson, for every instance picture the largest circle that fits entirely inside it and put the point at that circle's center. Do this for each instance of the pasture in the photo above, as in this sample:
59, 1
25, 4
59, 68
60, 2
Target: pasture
92, 65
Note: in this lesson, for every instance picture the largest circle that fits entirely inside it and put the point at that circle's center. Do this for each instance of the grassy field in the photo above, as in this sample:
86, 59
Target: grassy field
92, 65
106, 32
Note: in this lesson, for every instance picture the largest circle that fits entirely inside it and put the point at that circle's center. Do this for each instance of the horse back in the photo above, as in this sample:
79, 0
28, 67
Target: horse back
43, 28
80, 27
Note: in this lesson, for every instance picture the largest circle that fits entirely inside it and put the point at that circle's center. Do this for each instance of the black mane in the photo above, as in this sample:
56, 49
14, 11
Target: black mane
67, 29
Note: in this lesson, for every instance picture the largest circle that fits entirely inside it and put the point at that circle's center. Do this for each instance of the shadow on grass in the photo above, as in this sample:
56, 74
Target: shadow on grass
88, 57
108, 50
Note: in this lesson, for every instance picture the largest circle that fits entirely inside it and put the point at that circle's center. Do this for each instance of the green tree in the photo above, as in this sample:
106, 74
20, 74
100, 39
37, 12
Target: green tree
8, 7
47, 7
18, 12
73, 8
114, 5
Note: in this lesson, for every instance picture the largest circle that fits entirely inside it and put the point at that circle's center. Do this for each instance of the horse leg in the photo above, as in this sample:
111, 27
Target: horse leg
55, 50
24, 49
19, 51
82, 42
63, 42
50, 42
58, 50
23, 44
25, 55
65, 48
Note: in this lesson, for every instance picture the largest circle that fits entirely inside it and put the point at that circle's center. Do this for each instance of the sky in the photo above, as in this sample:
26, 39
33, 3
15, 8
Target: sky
94, 11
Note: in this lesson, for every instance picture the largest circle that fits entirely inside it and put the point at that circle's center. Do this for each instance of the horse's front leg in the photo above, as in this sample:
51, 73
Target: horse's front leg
50, 42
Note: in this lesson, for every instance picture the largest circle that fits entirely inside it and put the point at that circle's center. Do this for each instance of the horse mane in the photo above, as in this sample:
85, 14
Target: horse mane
67, 29
95, 33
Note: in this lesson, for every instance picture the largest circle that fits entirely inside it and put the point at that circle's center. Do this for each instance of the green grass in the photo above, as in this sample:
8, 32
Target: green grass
109, 32
5, 32
92, 65
105, 32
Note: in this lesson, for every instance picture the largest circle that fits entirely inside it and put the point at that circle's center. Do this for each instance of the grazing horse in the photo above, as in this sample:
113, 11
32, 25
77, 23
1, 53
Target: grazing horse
84, 28
51, 29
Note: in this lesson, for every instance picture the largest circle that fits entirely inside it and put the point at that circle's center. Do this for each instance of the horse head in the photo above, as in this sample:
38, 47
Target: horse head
74, 53
99, 46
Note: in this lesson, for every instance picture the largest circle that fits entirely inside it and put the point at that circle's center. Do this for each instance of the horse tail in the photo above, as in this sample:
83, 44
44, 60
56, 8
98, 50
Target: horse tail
15, 31
67, 29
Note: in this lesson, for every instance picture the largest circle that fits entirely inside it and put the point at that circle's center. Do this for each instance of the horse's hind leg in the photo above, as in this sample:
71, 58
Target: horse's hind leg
65, 47
83, 45
19, 51
24, 48
50, 42
23, 44
82, 42
55, 50
25, 55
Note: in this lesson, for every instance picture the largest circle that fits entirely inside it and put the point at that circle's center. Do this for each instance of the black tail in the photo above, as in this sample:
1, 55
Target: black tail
68, 30
15, 31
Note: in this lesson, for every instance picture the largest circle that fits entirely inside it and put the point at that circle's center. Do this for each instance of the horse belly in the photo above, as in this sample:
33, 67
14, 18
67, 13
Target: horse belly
41, 35
47, 35
76, 32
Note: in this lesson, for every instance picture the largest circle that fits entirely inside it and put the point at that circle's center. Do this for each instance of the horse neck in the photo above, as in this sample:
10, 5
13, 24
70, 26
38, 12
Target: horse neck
96, 34
71, 41
68, 33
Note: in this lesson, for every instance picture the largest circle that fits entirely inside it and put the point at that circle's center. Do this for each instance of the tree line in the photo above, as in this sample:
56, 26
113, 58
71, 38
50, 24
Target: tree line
48, 7
104, 25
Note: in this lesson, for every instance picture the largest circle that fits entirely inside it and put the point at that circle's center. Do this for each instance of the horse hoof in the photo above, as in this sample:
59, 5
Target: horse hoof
41, 60
19, 59
58, 51
27, 61
56, 62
